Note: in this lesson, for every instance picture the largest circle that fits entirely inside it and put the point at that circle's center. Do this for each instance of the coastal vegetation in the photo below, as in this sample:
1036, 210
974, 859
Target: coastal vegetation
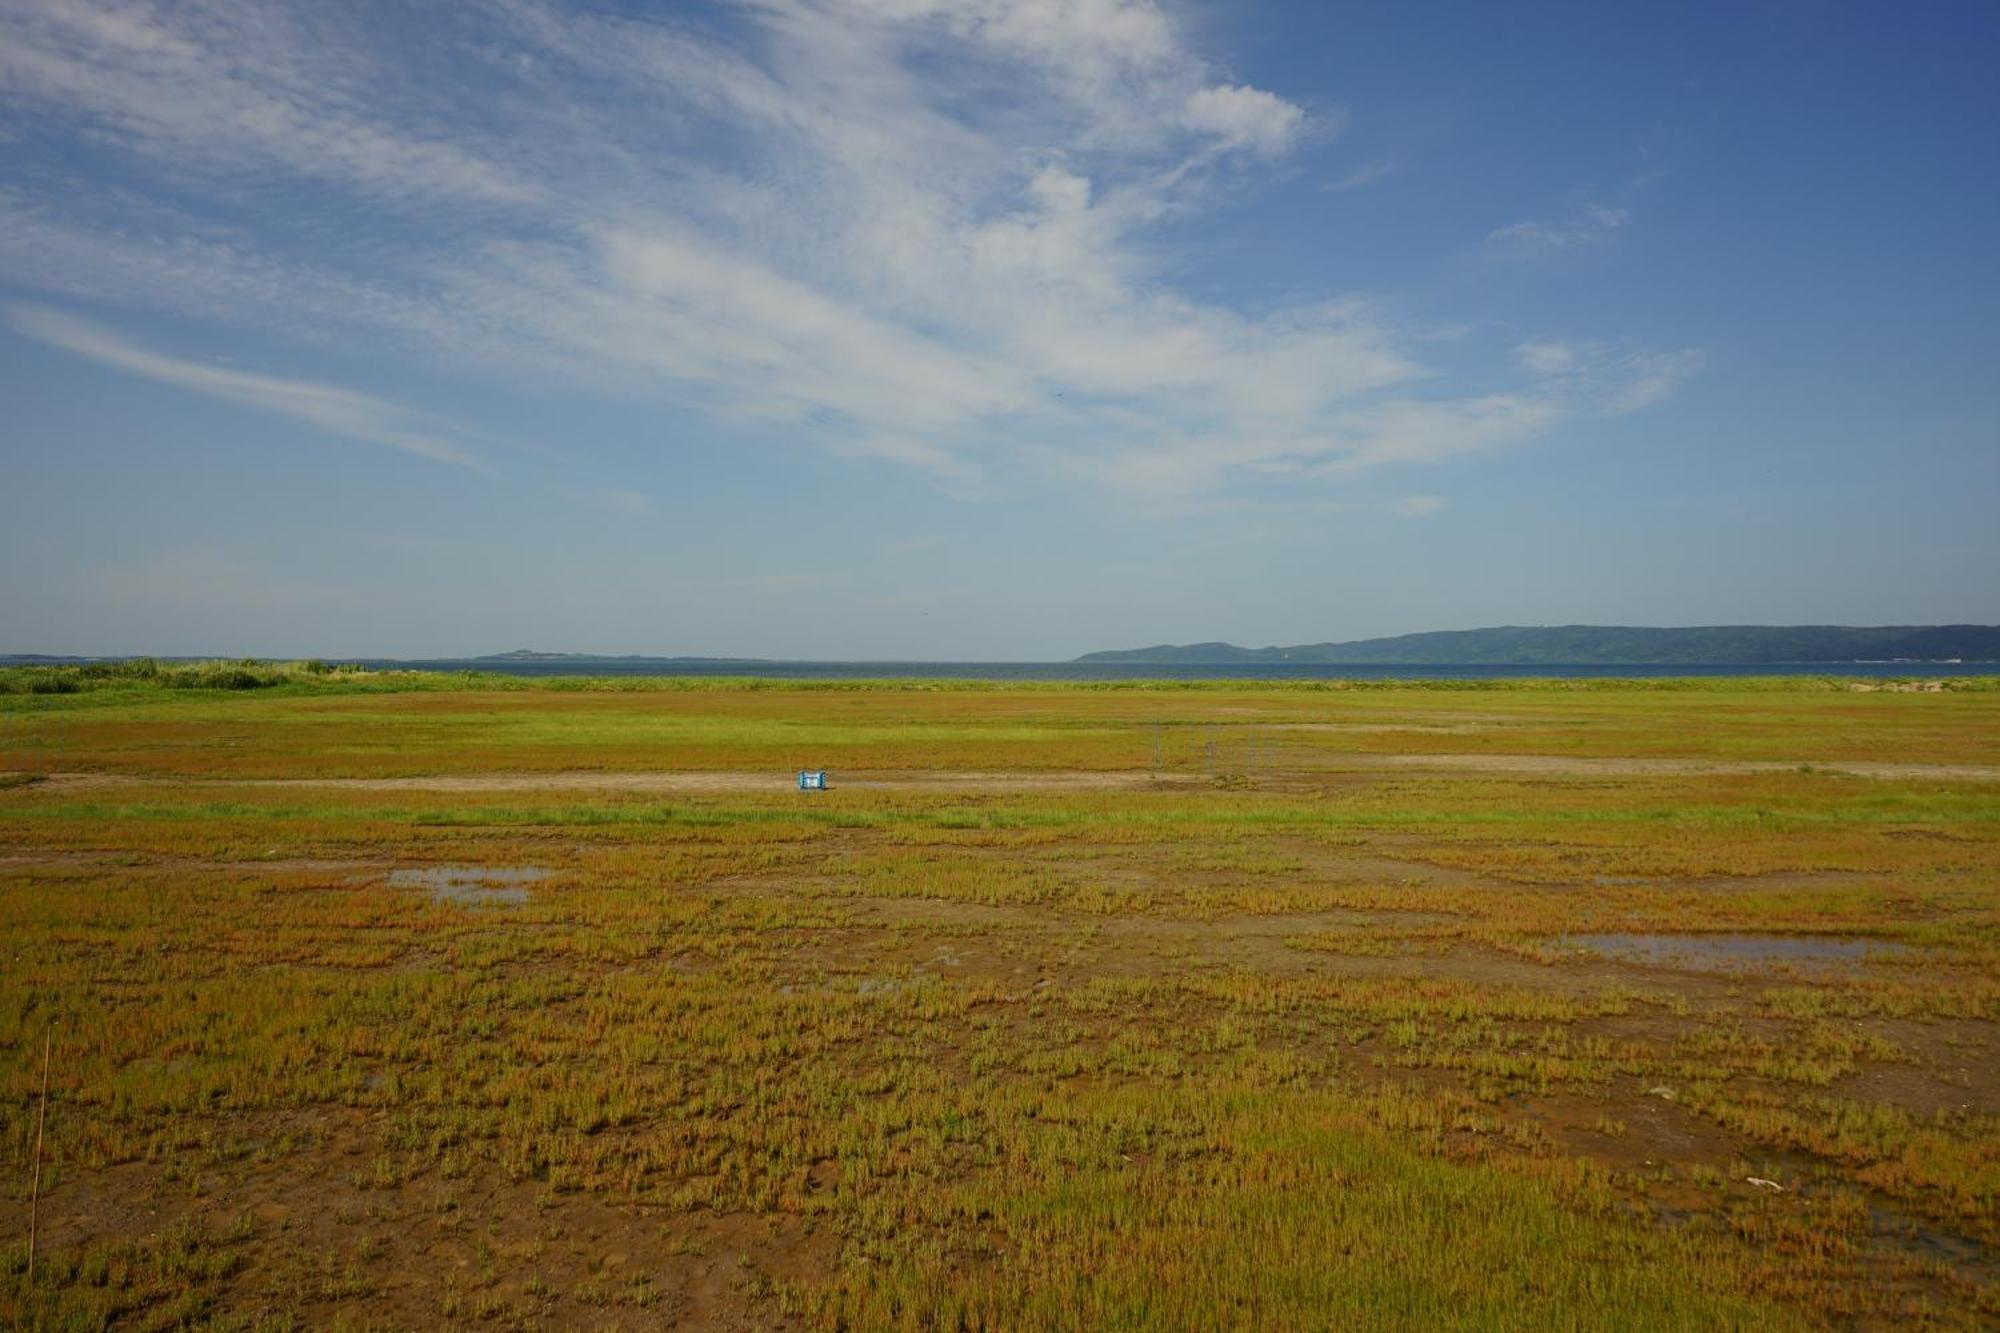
388, 1000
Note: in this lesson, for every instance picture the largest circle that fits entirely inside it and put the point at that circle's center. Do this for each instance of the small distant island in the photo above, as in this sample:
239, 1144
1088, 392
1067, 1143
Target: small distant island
531, 655
1604, 645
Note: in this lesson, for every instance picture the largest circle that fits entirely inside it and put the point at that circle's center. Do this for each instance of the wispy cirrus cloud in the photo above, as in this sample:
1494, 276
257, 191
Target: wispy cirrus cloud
1420, 506
1588, 224
919, 231
224, 87
1547, 357
633, 504
1367, 174
1591, 225
1606, 381
336, 411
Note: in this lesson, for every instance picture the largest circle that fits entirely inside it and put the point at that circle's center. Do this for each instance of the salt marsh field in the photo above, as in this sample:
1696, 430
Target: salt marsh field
392, 1000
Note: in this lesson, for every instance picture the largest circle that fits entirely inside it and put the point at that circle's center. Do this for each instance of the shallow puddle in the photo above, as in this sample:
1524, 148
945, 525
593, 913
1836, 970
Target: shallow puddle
471, 884
1735, 952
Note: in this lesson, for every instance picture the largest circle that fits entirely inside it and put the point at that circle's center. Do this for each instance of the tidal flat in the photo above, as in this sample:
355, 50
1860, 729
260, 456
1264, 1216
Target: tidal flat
385, 1000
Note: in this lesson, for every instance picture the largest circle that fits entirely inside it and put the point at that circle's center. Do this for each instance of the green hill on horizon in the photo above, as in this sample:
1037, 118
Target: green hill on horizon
1580, 645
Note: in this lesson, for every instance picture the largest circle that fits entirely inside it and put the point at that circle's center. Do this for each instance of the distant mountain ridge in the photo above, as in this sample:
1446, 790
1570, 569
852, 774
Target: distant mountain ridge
1608, 645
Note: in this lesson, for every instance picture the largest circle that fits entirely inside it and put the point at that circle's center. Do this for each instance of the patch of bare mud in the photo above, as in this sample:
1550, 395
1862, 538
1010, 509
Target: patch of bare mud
1066, 780
1742, 952
1949, 1067
471, 885
1382, 728
547, 1259
1378, 863
1623, 767
1055, 780
127, 860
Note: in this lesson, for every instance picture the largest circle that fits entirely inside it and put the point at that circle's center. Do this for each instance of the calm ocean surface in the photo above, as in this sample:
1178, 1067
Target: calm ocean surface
1139, 671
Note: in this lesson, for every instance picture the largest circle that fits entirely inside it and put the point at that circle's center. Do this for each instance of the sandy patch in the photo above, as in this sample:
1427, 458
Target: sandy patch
1073, 780
1383, 728
1061, 780
1612, 766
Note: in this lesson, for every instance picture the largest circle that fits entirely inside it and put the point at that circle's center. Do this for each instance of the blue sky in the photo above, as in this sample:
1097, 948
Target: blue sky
988, 328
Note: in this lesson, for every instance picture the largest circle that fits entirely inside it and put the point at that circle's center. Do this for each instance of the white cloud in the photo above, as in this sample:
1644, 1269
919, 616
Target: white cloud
1360, 176
1434, 431
1592, 225
1245, 118
221, 86
918, 231
1648, 378
336, 411
1546, 357
637, 504
1602, 381
1420, 506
